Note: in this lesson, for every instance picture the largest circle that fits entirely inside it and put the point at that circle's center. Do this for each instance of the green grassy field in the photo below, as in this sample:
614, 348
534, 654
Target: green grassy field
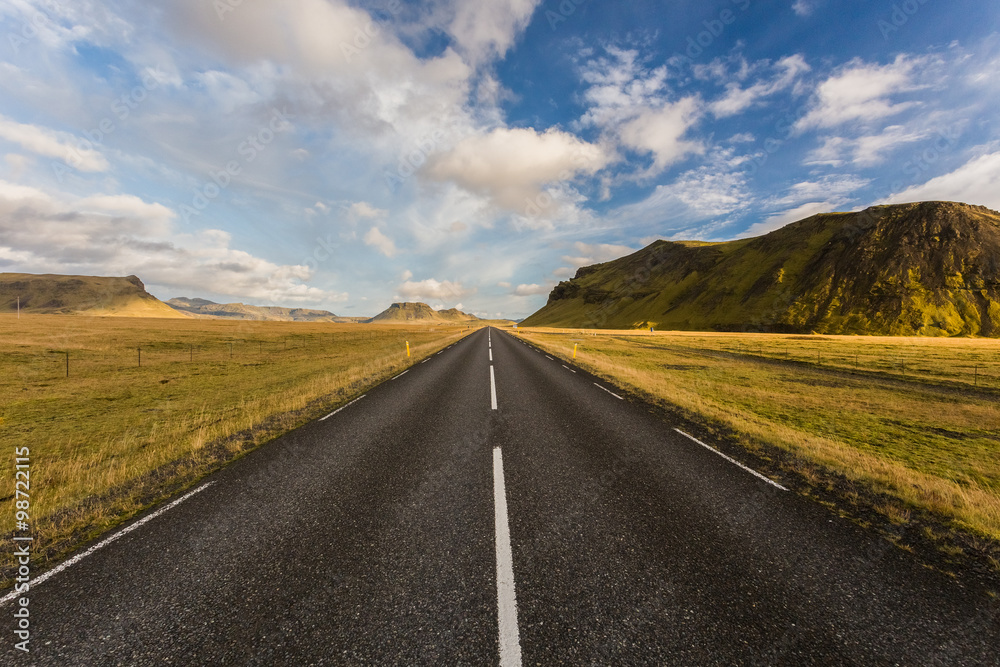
914, 420
151, 405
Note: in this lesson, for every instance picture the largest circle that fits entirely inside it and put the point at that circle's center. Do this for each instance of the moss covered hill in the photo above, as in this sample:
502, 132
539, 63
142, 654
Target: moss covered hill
80, 295
928, 269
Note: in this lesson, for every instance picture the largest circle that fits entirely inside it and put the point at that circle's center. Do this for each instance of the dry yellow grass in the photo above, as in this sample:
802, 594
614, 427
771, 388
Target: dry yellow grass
913, 418
114, 436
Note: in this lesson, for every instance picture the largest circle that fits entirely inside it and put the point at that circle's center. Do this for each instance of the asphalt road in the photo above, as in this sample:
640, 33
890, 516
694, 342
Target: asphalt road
492, 506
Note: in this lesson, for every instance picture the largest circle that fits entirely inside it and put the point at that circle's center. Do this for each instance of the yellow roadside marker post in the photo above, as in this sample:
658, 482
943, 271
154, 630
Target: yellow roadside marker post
407, 348
574, 349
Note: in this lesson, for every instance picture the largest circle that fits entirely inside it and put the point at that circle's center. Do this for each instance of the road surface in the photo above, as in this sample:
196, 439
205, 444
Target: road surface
494, 505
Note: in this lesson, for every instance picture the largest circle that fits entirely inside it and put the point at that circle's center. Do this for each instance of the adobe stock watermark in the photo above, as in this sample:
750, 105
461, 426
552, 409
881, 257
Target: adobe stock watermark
412, 160
783, 130
30, 28
324, 250
922, 161
248, 150
697, 43
223, 7
363, 36
121, 108
535, 207
900, 16
566, 8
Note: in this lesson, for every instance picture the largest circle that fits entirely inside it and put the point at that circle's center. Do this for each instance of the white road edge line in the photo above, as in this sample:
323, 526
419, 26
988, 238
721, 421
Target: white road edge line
100, 545
401, 374
609, 391
493, 388
510, 642
732, 460
568, 368
550, 358
342, 407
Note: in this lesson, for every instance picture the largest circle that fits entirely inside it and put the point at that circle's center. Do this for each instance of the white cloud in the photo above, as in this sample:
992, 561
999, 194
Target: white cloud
807, 198
71, 150
484, 30
376, 239
737, 99
804, 7
779, 220
336, 64
431, 289
588, 253
709, 191
620, 87
632, 106
511, 165
406, 275
531, 290
504, 284
975, 182
865, 151
122, 234
362, 210
661, 131
829, 188
861, 91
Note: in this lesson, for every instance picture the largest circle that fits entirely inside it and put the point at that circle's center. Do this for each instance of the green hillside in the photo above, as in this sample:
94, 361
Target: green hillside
927, 269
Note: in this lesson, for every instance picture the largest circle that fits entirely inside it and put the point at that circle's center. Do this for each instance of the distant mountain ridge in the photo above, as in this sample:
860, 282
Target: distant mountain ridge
80, 295
420, 312
927, 269
415, 312
241, 311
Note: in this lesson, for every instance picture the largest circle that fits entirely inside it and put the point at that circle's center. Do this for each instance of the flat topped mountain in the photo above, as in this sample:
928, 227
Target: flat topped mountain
926, 269
80, 295
185, 302
241, 311
421, 312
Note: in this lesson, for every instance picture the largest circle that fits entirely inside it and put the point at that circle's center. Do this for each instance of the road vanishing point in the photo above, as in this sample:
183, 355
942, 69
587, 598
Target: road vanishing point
493, 506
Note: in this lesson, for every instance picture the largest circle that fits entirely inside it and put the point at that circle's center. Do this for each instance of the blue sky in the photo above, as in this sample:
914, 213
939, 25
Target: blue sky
344, 155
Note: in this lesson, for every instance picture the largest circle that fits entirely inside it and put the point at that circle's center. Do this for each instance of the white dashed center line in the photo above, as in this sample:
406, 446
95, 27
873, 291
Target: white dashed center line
510, 642
493, 389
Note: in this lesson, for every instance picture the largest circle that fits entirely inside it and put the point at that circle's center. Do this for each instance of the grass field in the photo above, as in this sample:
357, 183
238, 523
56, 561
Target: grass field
151, 405
913, 419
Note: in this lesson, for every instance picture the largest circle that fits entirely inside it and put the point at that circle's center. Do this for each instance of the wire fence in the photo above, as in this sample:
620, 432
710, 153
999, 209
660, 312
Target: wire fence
32, 364
977, 368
